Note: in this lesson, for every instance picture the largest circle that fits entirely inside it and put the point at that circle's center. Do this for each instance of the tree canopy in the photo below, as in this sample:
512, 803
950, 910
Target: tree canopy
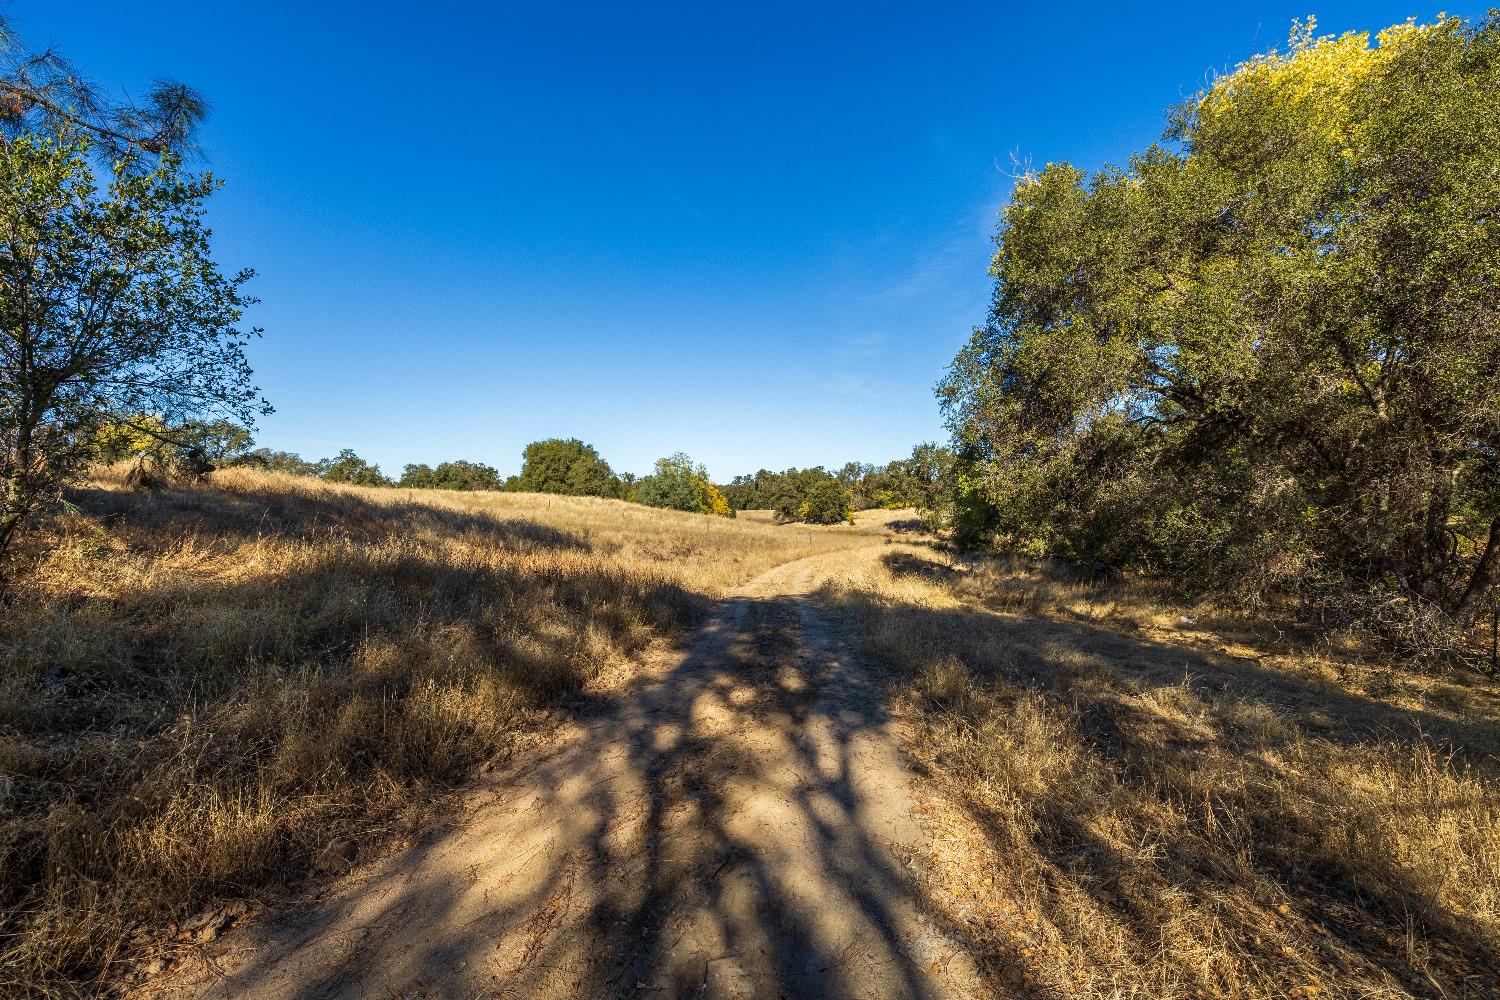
111, 307
813, 495
1265, 354
456, 475
681, 484
42, 93
281, 461
347, 467
567, 466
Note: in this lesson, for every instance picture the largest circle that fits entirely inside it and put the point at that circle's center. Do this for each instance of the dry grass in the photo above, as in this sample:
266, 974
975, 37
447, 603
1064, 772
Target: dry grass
211, 690
1156, 806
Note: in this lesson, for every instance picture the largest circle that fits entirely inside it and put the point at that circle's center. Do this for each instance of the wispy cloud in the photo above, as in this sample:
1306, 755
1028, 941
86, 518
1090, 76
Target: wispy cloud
949, 270
830, 381
849, 384
861, 345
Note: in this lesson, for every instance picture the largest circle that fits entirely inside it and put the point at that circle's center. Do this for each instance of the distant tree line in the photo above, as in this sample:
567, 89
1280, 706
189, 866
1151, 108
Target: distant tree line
923, 481
570, 467
565, 466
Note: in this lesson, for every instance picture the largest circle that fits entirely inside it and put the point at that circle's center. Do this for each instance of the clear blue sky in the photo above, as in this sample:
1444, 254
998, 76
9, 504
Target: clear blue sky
753, 232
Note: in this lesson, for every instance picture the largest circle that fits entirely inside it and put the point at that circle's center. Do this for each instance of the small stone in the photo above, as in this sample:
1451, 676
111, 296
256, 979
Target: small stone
156, 967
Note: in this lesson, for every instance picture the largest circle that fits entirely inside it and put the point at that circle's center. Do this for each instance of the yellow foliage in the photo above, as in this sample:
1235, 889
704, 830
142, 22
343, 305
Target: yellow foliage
1312, 83
142, 436
713, 500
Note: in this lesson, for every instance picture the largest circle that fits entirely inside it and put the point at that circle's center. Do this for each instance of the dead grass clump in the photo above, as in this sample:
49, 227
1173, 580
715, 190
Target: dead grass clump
203, 687
1157, 811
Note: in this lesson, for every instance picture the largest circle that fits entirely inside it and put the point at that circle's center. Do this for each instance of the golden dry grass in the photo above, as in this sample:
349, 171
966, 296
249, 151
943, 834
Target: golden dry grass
1158, 806
211, 689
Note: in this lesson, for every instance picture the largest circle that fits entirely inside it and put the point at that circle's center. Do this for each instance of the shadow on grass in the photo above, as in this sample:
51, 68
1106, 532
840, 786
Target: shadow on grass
633, 845
244, 513
1091, 675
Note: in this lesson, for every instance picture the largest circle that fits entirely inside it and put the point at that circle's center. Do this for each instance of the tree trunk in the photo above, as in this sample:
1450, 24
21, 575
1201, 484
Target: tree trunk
1486, 575
11, 516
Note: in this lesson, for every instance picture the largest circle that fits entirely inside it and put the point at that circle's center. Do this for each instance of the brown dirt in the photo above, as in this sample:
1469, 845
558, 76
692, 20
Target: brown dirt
740, 823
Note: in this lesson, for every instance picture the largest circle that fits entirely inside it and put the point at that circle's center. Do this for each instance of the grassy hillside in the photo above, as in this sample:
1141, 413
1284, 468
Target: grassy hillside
1168, 802
207, 689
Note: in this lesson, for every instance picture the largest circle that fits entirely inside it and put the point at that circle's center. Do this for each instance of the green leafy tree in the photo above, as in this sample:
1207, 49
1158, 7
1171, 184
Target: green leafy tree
825, 501
929, 481
455, 475
814, 495
221, 442
750, 492
347, 467
1265, 354
681, 484
281, 461
110, 303
191, 448
865, 482
564, 465
418, 477
110, 307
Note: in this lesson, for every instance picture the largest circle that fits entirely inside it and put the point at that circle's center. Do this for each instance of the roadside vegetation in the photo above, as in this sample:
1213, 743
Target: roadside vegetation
1205, 674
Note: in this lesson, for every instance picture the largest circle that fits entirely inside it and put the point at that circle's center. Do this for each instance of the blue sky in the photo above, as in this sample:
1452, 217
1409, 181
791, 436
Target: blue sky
756, 233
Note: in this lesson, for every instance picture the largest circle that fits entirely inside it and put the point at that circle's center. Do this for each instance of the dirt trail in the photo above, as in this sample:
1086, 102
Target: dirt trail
738, 825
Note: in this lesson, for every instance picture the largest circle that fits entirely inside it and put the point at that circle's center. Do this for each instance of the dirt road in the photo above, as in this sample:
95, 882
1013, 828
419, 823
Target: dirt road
739, 824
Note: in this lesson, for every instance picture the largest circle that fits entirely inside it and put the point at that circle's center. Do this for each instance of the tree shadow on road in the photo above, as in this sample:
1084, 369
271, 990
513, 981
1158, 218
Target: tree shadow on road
715, 832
